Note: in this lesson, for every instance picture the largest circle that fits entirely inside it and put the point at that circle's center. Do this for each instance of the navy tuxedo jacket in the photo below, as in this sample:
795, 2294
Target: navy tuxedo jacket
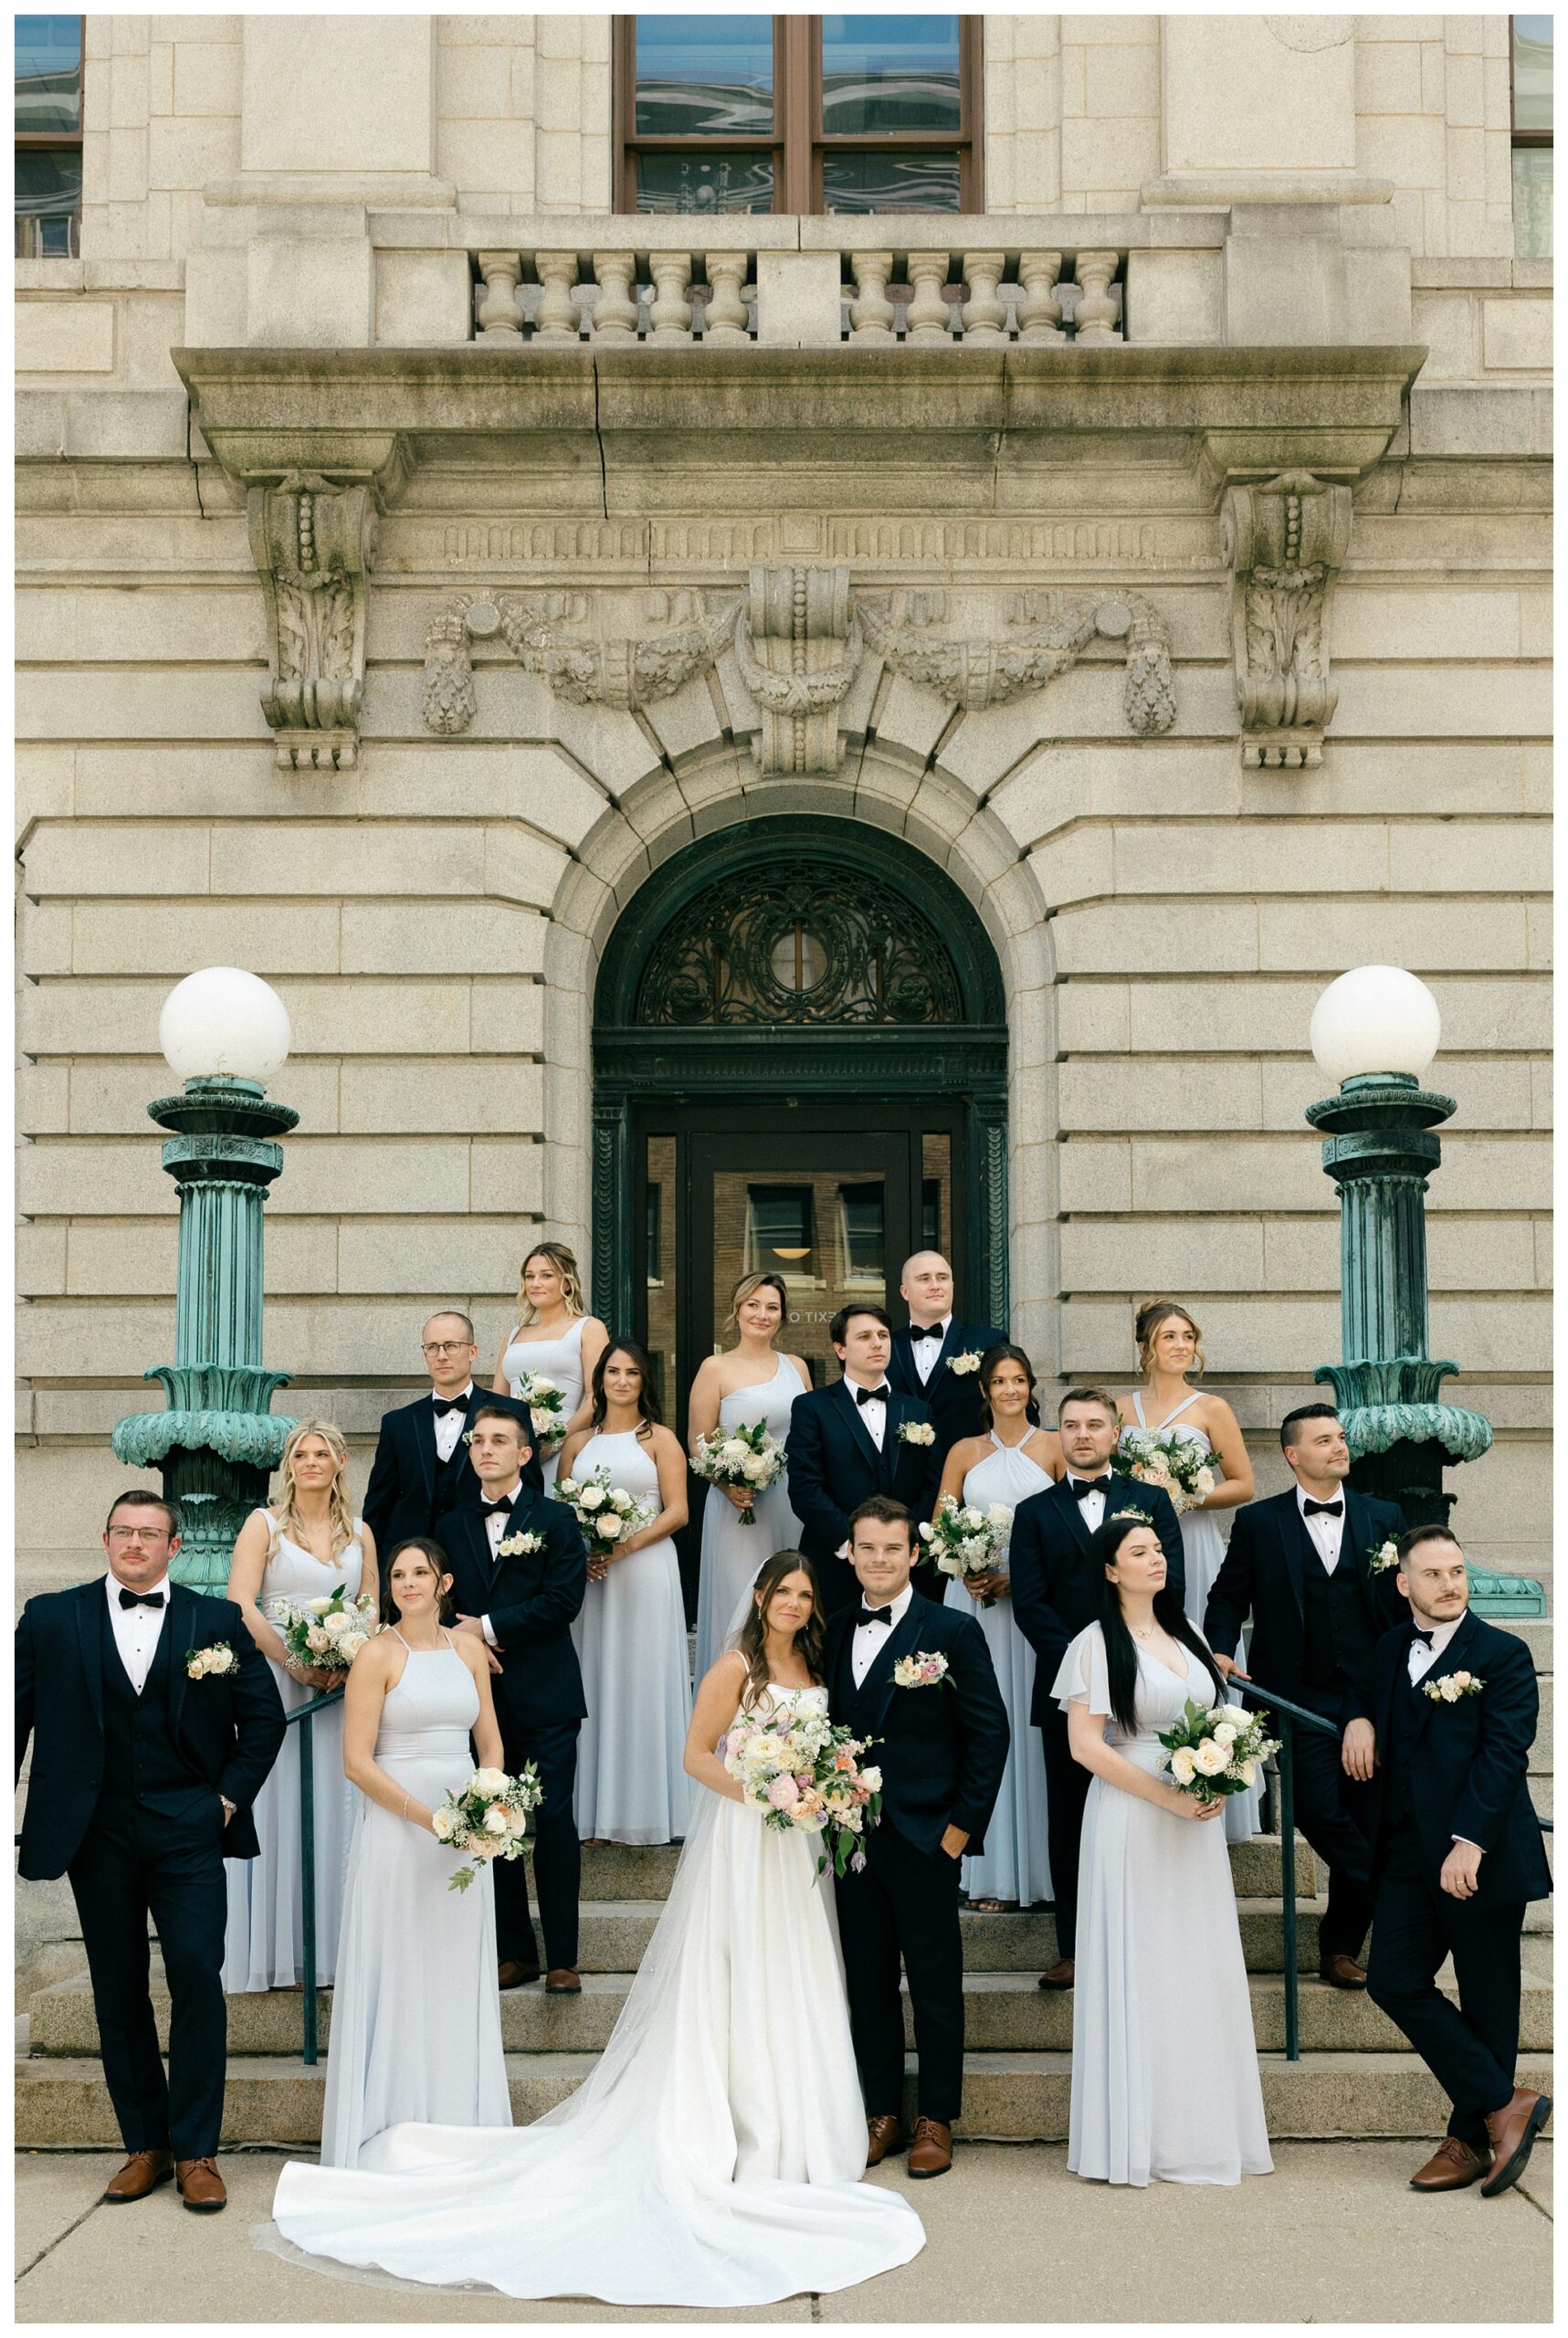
1468, 1761
530, 1598
1262, 1576
834, 1467
409, 1493
1055, 1590
227, 1727
954, 1397
940, 1750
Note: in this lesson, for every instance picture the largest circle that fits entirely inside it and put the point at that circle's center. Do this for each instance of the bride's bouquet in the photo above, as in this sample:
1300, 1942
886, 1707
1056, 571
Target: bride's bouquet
1173, 1463
965, 1540
328, 1631
800, 1770
546, 1404
488, 1818
747, 1456
607, 1513
1215, 1750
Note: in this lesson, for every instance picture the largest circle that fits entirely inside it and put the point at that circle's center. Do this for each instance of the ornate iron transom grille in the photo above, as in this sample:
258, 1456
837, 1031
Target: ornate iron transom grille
800, 943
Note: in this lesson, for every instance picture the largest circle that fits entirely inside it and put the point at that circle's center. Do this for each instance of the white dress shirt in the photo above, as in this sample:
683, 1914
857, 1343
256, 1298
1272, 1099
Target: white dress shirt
449, 1427
874, 1414
136, 1629
1422, 1658
1326, 1533
926, 1352
496, 1523
1091, 1509
870, 1638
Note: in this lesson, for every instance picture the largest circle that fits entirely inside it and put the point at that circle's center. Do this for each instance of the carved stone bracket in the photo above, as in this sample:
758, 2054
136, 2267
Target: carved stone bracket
1286, 542
798, 643
1043, 634
625, 671
313, 542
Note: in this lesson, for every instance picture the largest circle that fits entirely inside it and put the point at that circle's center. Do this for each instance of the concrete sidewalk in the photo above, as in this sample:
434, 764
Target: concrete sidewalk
1334, 2235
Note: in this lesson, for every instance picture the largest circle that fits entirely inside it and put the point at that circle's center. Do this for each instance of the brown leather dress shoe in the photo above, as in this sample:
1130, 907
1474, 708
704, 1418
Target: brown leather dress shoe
201, 2186
1058, 1975
883, 2135
564, 1980
930, 2154
1341, 1972
143, 2172
1514, 2130
513, 1976
1451, 2167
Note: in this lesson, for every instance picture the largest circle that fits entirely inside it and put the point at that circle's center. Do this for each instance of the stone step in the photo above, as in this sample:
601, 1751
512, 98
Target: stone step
1004, 2013
1012, 2097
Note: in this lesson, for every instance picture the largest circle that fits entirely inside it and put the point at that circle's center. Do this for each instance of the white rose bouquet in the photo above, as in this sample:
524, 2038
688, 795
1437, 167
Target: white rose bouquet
545, 1402
1173, 1463
746, 1457
487, 1818
607, 1513
967, 1540
1215, 1750
800, 1770
328, 1632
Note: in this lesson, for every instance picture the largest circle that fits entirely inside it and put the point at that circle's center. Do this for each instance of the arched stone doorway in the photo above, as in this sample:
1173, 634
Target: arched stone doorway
800, 1059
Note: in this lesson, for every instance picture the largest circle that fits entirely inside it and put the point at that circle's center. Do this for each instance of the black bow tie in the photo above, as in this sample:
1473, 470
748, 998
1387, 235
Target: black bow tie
1083, 1487
925, 1330
502, 1501
872, 1395
875, 1615
441, 1405
1322, 1509
140, 1598
1417, 1634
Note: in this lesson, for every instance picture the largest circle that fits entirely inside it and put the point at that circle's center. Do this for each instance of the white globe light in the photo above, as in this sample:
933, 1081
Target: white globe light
224, 1023
1375, 1019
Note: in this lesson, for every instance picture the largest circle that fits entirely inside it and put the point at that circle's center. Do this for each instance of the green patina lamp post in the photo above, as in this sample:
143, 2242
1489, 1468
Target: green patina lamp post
1375, 1030
225, 1033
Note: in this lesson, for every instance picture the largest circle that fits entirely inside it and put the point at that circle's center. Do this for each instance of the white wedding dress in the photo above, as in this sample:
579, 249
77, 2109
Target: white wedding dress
561, 1360
712, 2158
630, 1638
1164, 2061
731, 1552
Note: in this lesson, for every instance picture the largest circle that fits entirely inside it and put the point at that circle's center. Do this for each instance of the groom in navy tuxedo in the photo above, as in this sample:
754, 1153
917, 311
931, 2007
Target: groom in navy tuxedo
936, 1357
859, 1436
421, 1469
941, 1747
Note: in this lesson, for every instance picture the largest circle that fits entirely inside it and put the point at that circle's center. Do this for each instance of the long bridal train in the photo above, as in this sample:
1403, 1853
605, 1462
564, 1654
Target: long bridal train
687, 2169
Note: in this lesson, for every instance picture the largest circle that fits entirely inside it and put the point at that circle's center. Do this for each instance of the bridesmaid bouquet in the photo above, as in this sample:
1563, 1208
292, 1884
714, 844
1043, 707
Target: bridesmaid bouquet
324, 1631
800, 1770
1215, 1750
546, 1404
747, 1456
1174, 1464
607, 1513
965, 1540
488, 1818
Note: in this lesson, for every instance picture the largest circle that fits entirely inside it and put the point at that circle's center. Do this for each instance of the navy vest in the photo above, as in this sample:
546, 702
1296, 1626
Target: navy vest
1408, 1699
140, 1756
1339, 1633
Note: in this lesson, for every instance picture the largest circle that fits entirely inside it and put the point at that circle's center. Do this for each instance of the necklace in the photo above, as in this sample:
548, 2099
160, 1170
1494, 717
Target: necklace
1137, 1634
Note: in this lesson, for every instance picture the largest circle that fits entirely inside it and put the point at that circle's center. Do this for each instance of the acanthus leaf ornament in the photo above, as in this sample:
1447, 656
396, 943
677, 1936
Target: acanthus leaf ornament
798, 644
1285, 542
1044, 633
313, 542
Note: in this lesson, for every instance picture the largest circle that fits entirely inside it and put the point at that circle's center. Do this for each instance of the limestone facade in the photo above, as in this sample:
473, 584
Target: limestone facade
1246, 328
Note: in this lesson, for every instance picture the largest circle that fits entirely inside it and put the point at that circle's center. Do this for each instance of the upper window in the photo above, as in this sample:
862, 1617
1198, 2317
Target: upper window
48, 52
1532, 137
797, 113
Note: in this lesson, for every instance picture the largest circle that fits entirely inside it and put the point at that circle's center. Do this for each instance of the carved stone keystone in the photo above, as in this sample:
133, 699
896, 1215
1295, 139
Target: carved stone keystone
798, 643
1286, 542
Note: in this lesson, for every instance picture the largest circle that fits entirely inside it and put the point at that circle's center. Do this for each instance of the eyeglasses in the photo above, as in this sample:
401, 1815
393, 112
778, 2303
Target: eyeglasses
139, 1534
445, 1347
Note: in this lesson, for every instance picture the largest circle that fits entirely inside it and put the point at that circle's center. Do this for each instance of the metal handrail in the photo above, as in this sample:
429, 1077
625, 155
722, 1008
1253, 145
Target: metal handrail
307, 1713
1284, 1767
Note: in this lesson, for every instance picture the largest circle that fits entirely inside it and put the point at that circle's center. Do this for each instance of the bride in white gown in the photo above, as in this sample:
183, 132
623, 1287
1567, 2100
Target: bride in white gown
714, 2155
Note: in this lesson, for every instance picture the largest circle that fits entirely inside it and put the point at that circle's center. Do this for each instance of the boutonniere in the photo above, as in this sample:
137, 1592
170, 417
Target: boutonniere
966, 1363
1452, 1687
220, 1658
517, 1546
916, 1433
920, 1670
1385, 1555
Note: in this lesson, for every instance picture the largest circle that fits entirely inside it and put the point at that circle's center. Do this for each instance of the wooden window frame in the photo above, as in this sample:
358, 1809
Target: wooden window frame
54, 142
798, 145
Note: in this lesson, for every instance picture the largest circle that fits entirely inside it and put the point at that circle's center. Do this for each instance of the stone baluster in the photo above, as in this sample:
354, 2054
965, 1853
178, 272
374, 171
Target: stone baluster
1096, 315
1039, 313
501, 314
930, 318
985, 315
556, 318
726, 319
871, 313
615, 309
671, 312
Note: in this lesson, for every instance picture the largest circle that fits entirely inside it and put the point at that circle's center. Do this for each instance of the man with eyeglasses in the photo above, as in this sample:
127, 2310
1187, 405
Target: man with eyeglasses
153, 1720
422, 1469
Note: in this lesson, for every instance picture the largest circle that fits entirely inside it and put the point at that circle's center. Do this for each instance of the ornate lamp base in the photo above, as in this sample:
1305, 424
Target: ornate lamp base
216, 1448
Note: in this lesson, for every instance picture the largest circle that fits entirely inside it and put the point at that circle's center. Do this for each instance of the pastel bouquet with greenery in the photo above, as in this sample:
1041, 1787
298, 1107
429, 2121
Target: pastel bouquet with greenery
1215, 1750
803, 1773
1178, 1465
328, 1632
748, 1458
965, 1539
487, 1818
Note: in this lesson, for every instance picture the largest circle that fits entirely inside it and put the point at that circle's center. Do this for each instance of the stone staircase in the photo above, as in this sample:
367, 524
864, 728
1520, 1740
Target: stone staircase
1355, 2078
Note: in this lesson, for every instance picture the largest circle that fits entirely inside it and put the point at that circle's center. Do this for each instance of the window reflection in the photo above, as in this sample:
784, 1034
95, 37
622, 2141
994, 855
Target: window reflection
48, 74
882, 181
704, 76
882, 73
1532, 132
